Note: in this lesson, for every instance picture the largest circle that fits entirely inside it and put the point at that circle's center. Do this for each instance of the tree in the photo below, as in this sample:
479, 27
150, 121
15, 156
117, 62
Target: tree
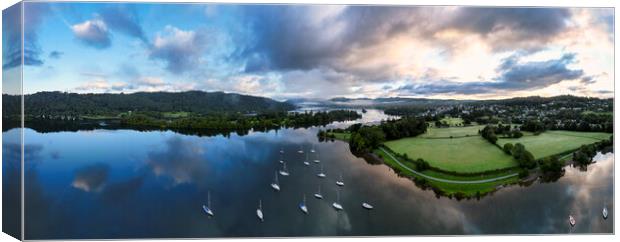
508, 148
551, 165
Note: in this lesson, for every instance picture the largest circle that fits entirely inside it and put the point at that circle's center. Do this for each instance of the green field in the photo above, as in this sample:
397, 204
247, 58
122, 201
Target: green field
452, 131
469, 190
555, 142
452, 121
175, 114
467, 155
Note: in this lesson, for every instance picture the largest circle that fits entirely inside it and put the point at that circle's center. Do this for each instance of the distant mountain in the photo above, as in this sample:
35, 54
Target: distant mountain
43, 103
391, 102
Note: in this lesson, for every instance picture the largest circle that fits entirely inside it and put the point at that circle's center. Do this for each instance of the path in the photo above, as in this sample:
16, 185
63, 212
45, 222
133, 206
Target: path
446, 180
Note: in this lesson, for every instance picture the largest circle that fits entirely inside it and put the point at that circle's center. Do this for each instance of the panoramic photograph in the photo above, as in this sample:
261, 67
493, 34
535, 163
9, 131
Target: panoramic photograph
195, 120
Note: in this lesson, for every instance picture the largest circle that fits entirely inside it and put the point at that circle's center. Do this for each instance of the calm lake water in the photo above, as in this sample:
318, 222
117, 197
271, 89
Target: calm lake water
131, 184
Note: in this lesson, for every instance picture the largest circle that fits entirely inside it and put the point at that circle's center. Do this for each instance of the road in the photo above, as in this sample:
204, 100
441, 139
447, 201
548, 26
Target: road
446, 180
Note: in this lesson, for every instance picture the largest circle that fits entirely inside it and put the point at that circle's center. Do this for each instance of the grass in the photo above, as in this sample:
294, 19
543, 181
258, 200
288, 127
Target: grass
555, 142
469, 190
466, 155
341, 136
175, 114
452, 131
99, 117
452, 121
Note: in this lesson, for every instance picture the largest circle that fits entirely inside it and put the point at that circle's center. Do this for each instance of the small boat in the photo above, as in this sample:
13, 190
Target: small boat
276, 185
321, 174
312, 150
207, 208
367, 206
571, 220
259, 211
302, 205
340, 182
281, 159
301, 149
605, 213
336, 204
318, 195
306, 161
284, 171
316, 160
281, 150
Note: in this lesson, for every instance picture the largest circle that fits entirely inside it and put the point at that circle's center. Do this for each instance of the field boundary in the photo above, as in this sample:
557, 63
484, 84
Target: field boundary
446, 180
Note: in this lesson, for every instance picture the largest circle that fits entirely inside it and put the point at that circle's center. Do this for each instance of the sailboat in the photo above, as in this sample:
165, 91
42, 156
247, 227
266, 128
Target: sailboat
367, 206
321, 174
312, 150
318, 195
571, 220
207, 208
276, 185
281, 150
302, 205
259, 211
284, 171
605, 213
306, 161
340, 182
301, 149
316, 160
281, 159
336, 204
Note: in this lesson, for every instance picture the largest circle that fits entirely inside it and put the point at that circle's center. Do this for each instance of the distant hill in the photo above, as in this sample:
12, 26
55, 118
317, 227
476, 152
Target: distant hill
55, 103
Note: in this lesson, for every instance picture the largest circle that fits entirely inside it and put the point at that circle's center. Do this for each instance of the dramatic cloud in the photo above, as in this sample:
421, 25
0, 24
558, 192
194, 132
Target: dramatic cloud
514, 76
93, 33
180, 50
122, 18
181, 160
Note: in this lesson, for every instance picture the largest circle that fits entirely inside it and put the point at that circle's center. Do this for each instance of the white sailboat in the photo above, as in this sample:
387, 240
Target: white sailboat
281, 159
316, 160
275, 185
336, 204
340, 182
302, 205
321, 174
281, 150
207, 208
318, 195
312, 150
367, 206
605, 213
284, 171
301, 149
306, 161
259, 211
571, 220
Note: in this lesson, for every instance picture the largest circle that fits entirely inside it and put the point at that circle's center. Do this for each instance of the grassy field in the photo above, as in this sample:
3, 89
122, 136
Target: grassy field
452, 131
175, 114
451, 188
555, 142
467, 155
452, 121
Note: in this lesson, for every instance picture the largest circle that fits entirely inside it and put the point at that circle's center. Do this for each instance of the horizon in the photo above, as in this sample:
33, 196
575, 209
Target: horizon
460, 53
309, 99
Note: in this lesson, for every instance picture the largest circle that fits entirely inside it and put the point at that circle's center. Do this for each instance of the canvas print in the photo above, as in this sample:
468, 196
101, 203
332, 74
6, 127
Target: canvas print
196, 120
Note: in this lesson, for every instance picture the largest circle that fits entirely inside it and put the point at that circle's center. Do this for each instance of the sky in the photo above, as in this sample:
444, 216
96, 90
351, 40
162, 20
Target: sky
315, 51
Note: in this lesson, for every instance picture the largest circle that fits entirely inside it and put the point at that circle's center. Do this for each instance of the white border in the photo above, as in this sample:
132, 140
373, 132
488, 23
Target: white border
557, 3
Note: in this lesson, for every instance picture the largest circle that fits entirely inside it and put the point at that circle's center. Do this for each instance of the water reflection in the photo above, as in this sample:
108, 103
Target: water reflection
131, 184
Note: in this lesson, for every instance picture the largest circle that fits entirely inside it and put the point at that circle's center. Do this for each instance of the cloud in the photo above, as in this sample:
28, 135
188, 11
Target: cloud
180, 50
123, 18
56, 54
11, 25
93, 33
513, 76
91, 177
99, 84
181, 160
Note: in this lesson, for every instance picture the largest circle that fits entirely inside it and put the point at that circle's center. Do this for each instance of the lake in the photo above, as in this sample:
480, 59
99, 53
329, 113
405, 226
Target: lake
131, 184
